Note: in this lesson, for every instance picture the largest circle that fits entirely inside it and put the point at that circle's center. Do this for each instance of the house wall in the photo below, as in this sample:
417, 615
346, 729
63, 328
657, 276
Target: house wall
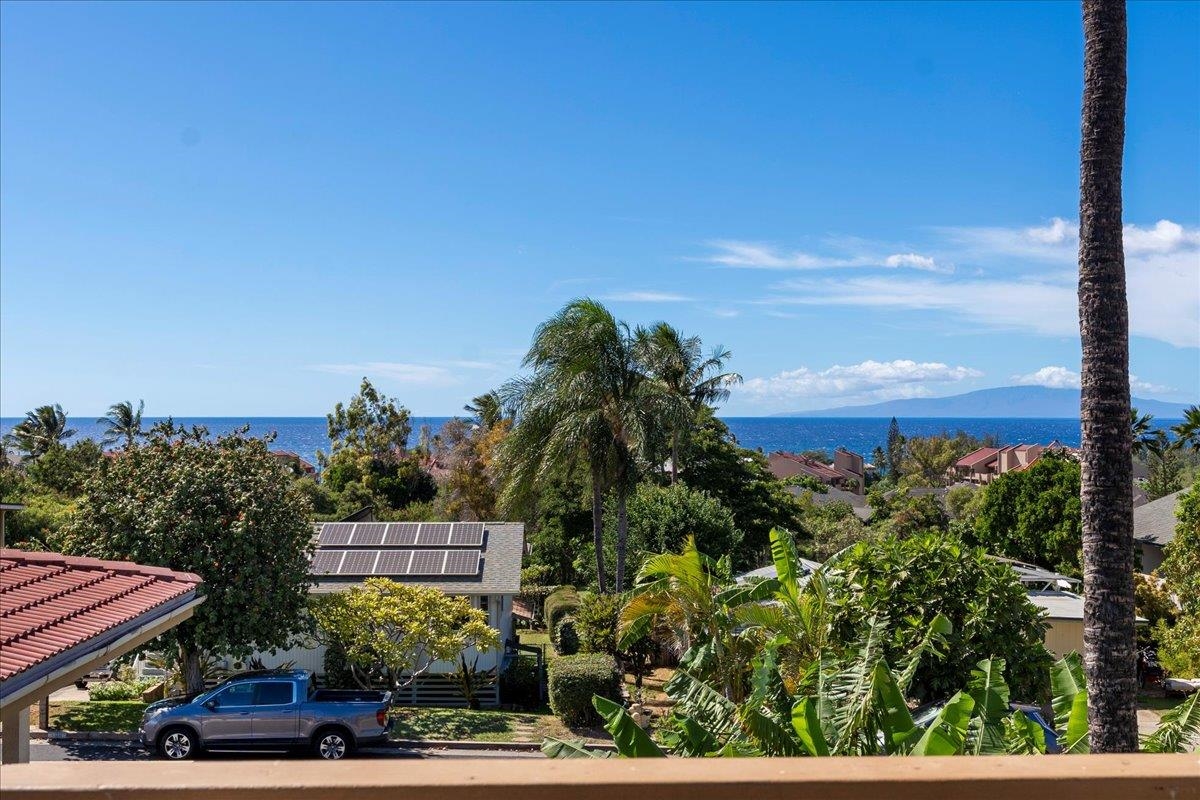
782, 467
1064, 636
1152, 556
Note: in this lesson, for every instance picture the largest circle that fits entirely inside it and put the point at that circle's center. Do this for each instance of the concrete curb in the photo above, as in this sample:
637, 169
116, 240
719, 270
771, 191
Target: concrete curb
83, 736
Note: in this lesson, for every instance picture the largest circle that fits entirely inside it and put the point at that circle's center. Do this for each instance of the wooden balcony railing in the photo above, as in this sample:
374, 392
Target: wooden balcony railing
1098, 777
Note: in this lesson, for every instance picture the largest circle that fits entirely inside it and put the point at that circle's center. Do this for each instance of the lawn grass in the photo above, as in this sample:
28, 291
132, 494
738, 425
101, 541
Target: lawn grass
536, 639
482, 726
1158, 703
121, 716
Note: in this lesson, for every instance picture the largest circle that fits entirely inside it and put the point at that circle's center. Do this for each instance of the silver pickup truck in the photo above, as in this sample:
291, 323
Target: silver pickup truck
270, 710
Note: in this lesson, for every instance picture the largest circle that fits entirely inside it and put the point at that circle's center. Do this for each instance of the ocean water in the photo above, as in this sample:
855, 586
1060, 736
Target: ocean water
305, 435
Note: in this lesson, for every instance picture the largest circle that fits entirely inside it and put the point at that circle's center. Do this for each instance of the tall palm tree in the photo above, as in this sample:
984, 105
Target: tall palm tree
1106, 457
122, 422
585, 400
40, 430
1187, 433
687, 378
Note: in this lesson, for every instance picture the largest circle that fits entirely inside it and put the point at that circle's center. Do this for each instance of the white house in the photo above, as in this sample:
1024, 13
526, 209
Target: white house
478, 560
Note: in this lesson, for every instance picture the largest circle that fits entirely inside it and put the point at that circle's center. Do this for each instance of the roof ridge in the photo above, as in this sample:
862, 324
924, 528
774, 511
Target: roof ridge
88, 562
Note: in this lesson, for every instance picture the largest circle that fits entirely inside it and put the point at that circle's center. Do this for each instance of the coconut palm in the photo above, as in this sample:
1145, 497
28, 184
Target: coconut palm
40, 430
122, 422
584, 404
1187, 433
687, 378
487, 409
1106, 458
1140, 428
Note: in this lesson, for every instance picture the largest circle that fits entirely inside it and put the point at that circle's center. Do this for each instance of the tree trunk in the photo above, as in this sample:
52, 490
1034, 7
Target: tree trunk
1107, 470
674, 457
598, 532
622, 538
193, 675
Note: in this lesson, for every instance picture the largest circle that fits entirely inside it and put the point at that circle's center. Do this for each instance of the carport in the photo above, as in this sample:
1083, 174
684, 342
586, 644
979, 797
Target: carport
63, 616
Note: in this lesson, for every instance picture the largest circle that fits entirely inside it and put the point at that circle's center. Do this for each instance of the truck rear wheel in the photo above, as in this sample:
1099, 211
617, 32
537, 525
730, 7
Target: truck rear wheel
332, 744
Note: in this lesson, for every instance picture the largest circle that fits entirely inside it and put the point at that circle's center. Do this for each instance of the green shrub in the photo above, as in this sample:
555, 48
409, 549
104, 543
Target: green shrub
519, 682
119, 690
337, 668
562, 601
575, 679
566, 637
596, 623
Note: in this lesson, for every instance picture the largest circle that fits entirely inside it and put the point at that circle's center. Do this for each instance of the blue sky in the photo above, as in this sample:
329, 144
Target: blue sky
242, 209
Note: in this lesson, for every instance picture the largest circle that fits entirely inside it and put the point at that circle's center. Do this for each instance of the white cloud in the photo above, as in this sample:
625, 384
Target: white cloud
755, 255
913, 261
1162, 268
646, 297
726, 313
868, 380
1063, 378
1053, 377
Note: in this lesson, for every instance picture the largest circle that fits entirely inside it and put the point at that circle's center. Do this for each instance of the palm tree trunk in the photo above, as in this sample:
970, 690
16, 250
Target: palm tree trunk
622, 538
1107, 471
598, 531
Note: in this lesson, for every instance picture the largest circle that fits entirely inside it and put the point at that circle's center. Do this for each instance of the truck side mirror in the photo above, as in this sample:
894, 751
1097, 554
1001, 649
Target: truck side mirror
212, 704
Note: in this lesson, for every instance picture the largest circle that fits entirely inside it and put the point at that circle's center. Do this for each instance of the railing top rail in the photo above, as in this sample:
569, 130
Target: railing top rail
1094, 777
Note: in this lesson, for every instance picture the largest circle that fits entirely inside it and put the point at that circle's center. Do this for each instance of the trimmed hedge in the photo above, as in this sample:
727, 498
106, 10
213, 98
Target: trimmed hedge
596, 622
559, 603
119, 690
566, 637
519, 682
575, 679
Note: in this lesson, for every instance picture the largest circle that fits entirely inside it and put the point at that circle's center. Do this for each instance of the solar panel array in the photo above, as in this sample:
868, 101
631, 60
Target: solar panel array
402, 534
399, 548
396, 562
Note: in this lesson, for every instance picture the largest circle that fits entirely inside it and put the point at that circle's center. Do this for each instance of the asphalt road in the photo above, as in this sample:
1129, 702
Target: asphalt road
126, 751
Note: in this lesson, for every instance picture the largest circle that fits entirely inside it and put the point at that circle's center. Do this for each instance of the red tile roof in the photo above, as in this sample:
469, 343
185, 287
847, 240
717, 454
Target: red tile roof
50, 603
976, 457
811, 466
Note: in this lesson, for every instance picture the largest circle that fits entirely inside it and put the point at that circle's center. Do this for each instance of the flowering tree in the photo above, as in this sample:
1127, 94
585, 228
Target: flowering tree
398, 631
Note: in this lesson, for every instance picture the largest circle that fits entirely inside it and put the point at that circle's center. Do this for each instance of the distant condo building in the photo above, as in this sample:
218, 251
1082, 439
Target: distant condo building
984, 465
847, 472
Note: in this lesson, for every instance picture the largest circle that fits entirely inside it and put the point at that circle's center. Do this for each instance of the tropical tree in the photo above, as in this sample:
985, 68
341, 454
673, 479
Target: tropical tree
222, 508
487, 409
895, 450
1165, 465
1142, 430
395, 632
371, 423
688, 378
1187, 433
122, 422
40, 430
585, 400
1106, 458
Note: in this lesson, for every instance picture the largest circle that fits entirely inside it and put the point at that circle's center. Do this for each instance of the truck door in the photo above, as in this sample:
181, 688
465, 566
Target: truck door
226, 718
276, 712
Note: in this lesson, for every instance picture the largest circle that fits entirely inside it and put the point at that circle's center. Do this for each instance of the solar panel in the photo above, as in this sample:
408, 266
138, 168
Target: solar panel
393, 562
325, 562
427, 562
336, 533
466, 534
368, 534
401, 534
462, 562
358, 562
434, 534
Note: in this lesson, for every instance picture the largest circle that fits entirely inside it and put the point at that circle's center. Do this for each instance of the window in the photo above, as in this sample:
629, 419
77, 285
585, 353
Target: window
274, 693
236, 696
483, 603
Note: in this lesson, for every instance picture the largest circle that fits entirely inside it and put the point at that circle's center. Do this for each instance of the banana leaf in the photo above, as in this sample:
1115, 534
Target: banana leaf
947, 734
1179, 730
894, 717
631, 740
990, 693
565, 748
1023, 736
807, 724
1069, 700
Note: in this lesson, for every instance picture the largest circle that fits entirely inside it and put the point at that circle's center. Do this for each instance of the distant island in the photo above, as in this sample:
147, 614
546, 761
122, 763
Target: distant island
1010, 402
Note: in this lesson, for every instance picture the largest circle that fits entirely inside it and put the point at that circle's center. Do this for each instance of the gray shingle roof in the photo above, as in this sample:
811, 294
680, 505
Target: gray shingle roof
1155, 522
500, 567
1063, 605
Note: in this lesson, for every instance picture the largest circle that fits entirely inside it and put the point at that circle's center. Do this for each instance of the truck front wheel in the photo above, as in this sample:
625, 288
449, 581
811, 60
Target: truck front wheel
177, 744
